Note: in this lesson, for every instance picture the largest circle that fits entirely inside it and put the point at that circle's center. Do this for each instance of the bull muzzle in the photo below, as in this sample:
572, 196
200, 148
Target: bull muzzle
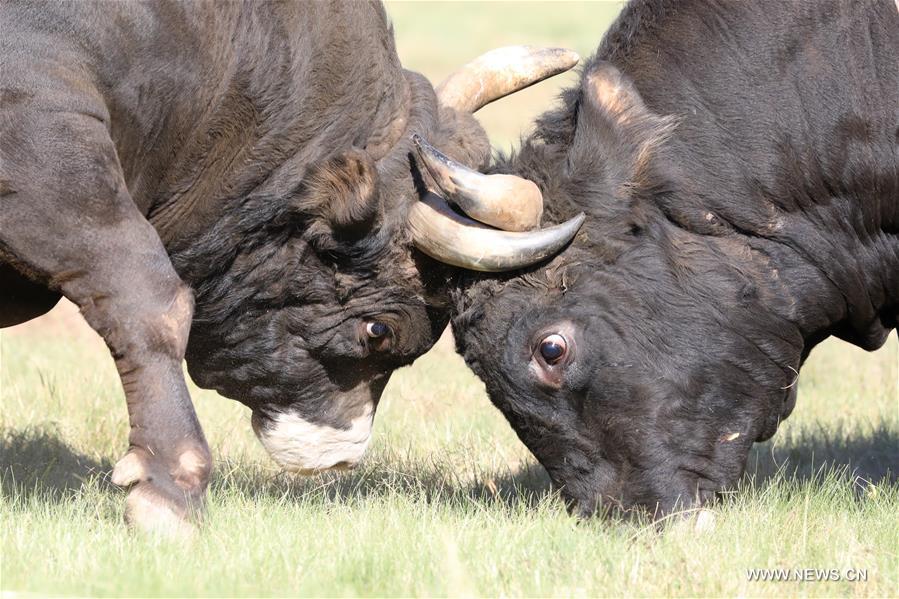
306, 447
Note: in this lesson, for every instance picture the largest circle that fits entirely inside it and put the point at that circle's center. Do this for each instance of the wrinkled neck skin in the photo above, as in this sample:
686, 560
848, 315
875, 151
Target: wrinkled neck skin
800, 196
820, 262
805, 189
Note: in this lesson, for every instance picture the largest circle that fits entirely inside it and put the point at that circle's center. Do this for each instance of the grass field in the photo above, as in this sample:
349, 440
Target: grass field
448, 501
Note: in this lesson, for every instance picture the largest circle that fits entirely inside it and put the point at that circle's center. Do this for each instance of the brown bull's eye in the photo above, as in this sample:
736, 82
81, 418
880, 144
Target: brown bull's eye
376, 329
553, 348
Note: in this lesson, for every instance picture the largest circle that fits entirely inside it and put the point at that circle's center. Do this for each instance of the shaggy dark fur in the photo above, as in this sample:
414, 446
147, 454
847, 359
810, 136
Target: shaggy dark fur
239, 170
738, 163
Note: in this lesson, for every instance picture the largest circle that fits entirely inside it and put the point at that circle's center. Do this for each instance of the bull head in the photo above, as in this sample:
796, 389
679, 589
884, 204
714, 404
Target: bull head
504, 209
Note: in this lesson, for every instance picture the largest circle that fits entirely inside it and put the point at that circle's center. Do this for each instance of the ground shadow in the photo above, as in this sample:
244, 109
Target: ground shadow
40, 463
35, 462
434, 483
871, 455
799, 457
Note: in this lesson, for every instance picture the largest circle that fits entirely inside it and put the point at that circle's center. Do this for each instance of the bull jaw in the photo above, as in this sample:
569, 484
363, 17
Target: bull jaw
304, 447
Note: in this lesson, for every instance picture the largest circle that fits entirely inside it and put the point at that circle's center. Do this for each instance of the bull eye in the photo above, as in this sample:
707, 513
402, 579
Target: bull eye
553, 348
376, 329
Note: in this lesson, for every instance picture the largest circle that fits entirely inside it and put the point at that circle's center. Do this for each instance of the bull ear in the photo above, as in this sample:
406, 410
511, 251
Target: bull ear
615, 126
610, 104
608, 91
340, 196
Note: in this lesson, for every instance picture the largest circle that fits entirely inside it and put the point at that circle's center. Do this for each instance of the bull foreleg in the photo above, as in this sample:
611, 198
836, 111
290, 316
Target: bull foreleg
69, 218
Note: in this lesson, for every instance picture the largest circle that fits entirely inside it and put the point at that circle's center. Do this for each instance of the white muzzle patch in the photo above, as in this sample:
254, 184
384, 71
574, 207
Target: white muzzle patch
305, 447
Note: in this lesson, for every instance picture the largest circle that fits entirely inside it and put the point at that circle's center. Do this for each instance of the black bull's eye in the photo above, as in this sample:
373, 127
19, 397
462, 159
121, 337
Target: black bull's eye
553, 348
376, 329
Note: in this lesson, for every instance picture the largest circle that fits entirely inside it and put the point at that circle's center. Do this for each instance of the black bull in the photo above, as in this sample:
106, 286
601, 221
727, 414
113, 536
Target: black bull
230, 182
739, 166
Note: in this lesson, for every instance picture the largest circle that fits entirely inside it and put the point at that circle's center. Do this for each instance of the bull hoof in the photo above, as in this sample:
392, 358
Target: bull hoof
150, 512
160, 499
704, 521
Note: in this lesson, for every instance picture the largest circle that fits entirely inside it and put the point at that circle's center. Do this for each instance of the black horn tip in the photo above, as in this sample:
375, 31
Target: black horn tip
571, 56
429, 152
422, 144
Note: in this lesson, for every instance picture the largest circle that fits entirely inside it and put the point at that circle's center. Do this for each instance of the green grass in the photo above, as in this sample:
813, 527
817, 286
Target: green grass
448, 501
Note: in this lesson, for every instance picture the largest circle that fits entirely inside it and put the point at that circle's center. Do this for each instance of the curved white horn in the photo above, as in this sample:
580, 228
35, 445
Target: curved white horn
501, 72
446, 236
507, 202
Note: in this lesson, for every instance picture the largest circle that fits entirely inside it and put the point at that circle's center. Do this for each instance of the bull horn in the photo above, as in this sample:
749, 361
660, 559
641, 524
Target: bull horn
501, 72
444, 235
507, 202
